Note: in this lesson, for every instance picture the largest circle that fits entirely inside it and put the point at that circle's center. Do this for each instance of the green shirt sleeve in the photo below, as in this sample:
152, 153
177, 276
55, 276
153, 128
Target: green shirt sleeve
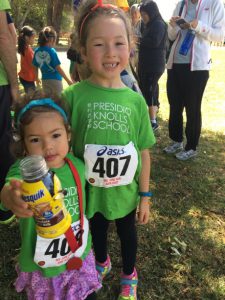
14, 172
4, 5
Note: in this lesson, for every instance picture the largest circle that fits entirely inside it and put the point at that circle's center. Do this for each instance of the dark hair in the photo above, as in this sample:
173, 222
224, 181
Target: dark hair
86, 16
22, 44
18, 147
151, 8
47, 34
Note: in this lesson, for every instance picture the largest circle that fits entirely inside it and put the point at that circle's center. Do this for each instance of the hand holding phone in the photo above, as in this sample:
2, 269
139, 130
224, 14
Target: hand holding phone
182, 23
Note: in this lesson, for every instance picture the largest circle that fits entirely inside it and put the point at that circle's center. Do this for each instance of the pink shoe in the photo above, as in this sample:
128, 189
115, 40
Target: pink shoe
103, 268
129, 286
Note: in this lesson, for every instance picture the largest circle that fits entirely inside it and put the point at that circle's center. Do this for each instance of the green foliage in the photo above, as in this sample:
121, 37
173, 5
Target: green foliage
67, 21
131, 2
29, 12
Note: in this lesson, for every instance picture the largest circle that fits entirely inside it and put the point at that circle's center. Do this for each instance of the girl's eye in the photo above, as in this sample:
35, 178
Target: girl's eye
98, 45
56, 135
34, 140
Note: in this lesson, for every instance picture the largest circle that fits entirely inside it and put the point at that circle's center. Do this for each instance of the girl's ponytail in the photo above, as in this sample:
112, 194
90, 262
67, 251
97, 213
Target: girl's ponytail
45, 35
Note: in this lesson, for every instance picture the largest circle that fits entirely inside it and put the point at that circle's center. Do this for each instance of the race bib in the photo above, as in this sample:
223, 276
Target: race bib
55, 252
109, 166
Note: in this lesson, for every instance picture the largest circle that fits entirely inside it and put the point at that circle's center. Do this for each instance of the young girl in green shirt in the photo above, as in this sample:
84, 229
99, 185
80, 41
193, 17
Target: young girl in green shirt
47, 267
112, 134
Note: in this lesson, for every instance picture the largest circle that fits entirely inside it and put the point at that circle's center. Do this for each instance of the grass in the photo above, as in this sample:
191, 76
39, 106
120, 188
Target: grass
181, 252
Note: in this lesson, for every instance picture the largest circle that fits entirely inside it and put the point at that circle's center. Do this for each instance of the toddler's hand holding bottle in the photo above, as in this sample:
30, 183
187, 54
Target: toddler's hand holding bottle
11, 199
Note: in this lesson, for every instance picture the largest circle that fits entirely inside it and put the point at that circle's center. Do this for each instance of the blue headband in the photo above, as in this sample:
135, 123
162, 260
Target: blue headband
41, 102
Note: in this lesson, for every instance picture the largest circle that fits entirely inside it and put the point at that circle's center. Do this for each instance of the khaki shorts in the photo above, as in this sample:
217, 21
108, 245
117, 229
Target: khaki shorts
52, 86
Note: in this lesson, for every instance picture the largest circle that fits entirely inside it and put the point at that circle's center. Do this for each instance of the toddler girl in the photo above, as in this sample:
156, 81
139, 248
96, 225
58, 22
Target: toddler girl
43, 129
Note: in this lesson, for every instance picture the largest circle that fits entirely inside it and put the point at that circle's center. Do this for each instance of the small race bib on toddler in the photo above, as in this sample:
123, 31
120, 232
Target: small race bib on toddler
109, 166
55, 252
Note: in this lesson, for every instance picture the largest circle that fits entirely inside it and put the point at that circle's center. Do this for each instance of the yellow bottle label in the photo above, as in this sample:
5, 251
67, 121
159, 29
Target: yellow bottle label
50, 214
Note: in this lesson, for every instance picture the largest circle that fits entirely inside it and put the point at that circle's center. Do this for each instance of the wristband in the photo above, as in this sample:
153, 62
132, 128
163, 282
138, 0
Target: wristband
145, 194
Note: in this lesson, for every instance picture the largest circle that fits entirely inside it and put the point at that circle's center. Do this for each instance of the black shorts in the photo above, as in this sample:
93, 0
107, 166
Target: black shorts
148, 83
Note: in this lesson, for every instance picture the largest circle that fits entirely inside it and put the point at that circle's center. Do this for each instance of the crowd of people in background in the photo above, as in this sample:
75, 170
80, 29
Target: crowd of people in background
117, 59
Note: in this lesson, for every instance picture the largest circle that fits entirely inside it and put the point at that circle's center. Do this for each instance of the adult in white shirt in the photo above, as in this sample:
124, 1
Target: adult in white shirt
188, 74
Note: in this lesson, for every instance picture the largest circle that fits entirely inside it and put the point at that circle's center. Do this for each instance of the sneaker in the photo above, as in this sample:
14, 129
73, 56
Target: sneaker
6, 217
185, 155
129, 287
173, 148
103, 269
155, 126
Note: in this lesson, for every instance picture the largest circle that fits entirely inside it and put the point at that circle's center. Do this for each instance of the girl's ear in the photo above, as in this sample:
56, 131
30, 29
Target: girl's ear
69, 137
69, 134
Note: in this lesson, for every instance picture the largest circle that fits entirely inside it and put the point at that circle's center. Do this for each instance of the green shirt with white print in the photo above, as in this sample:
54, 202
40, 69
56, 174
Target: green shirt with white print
27, 225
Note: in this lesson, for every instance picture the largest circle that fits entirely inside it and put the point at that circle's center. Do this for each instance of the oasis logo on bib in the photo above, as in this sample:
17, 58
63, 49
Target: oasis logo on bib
110, 151
110, 165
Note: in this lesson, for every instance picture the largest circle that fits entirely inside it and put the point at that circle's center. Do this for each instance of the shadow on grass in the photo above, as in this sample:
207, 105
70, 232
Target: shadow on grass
181, 251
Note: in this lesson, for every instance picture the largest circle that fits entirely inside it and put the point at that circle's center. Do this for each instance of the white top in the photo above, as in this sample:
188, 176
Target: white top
211, 28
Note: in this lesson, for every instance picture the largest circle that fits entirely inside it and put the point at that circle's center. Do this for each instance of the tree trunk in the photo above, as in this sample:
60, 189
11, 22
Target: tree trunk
23, 17
57, 16
50, 7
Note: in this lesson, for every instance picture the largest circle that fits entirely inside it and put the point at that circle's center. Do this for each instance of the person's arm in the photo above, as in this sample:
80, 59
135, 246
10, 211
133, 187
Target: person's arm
37, 79
11, 199
8, 54
143, 213
214, 32
12, 30
62, 73
173, 28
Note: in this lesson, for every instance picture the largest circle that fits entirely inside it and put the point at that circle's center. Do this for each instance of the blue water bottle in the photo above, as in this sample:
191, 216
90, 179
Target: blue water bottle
187, 42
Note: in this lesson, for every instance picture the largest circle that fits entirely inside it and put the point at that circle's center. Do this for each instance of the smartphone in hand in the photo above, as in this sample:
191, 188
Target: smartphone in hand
181, 22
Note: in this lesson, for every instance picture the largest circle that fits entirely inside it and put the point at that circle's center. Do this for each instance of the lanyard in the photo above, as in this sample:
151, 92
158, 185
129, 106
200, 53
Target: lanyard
75, 262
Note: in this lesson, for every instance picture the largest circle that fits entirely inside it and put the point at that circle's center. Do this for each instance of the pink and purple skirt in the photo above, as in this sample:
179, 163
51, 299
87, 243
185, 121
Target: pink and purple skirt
69, 285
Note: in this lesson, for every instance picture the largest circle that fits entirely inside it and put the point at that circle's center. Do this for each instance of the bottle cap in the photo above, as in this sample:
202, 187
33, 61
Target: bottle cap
33, 167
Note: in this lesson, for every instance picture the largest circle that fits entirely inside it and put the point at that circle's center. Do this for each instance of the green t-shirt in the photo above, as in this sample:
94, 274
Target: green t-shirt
27, 225
106, 116
4, 5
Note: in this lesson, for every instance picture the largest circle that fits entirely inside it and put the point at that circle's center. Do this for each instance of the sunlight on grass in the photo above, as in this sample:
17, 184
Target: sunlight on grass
213, 227
217, 284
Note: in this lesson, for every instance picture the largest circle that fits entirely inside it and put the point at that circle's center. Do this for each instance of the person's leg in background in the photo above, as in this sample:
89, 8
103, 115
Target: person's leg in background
175, 93
154, 96
195, 85
193, 108
150, 90
6, 159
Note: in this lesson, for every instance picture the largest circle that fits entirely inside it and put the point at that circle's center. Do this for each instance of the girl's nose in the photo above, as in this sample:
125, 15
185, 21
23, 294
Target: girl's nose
48, 145
110, 50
